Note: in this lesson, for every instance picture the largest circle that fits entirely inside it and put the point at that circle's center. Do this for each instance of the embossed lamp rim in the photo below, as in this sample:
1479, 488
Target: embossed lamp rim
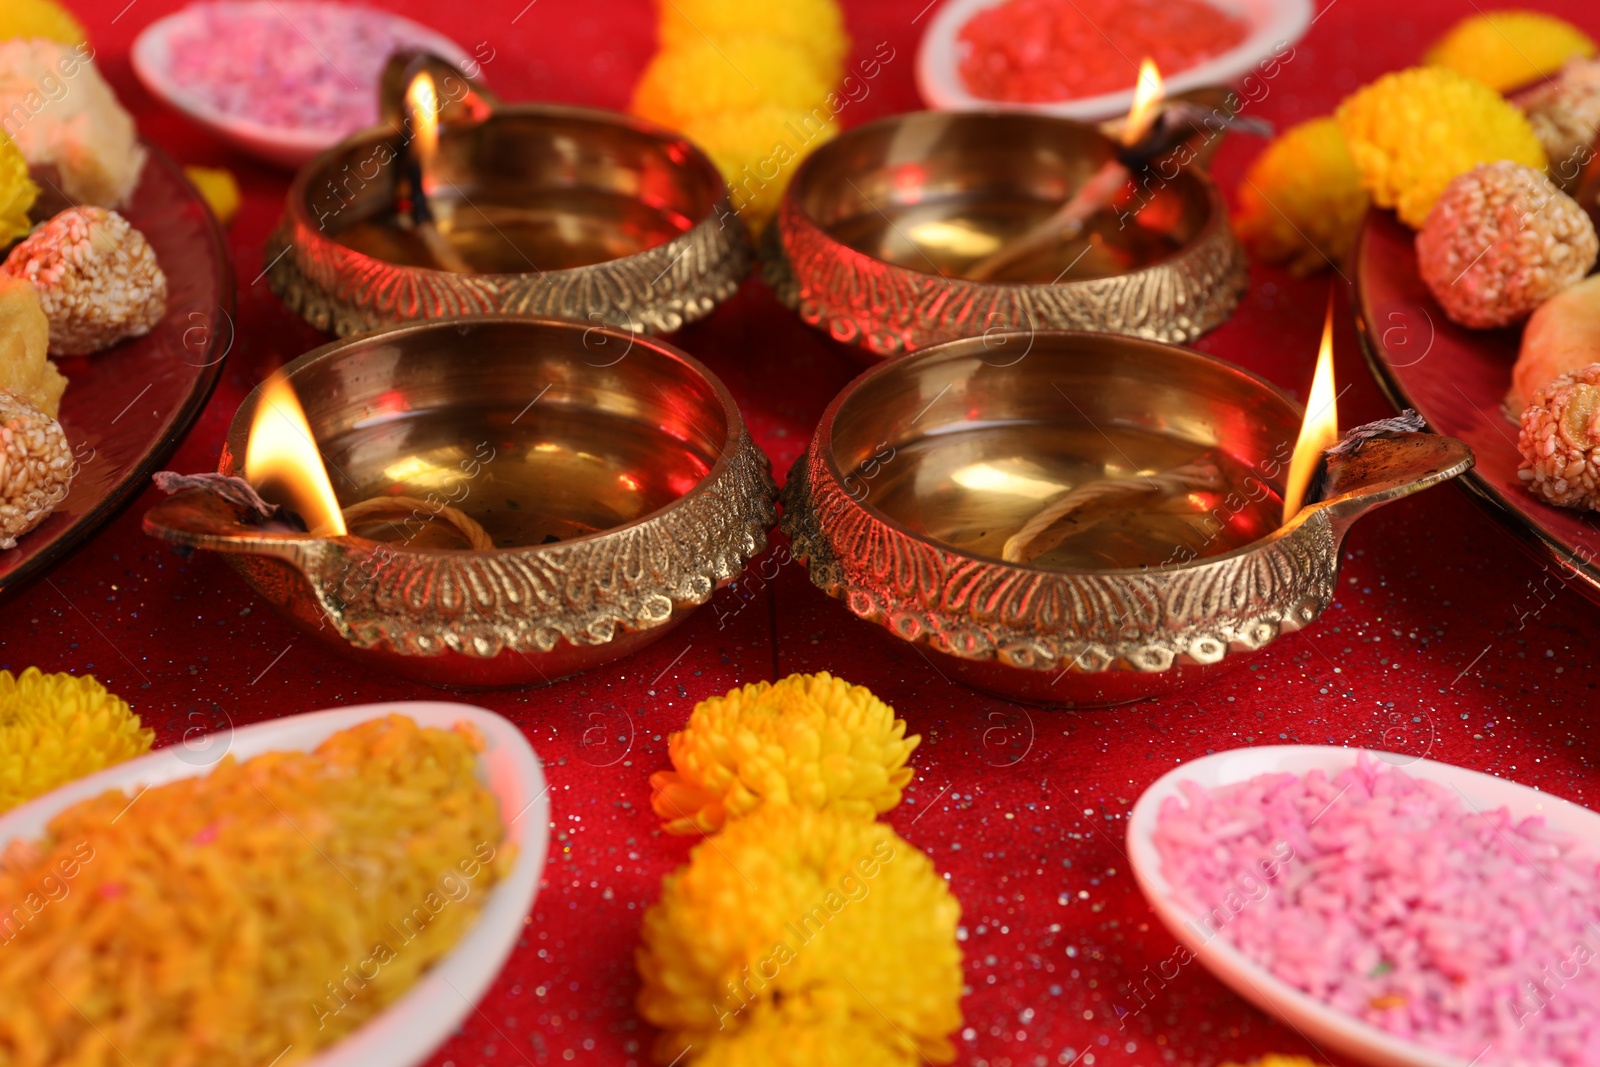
1196, 286
335, 287
519, 614
1085, 636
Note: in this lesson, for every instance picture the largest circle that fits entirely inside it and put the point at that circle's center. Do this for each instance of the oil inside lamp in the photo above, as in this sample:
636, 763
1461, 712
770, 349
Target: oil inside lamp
282, 461
1320, 429
1094, 195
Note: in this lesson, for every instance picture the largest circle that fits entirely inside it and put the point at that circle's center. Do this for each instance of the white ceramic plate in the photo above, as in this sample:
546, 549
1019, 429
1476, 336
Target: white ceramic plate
410, 1029
275, 144
1326, 1027
1273, 23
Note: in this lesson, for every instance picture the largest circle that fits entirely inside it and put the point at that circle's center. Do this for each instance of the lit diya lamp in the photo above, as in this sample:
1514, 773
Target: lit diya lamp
1107, 519
461, 204
930, 227
482, 501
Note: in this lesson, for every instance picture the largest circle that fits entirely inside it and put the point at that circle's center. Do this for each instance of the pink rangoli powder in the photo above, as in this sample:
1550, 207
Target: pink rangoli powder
1391, 899
287, 63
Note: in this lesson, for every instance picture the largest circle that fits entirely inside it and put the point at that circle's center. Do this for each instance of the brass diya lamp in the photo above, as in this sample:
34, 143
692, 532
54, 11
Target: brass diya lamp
934, 226
460, 204
1099, 521
484, 501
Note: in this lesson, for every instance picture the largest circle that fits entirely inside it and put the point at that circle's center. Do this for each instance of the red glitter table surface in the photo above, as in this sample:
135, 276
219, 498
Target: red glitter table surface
1437, 643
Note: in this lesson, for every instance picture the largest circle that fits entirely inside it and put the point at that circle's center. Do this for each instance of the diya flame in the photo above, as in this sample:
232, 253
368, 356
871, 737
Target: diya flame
1319, 430
282, 460
1148, 94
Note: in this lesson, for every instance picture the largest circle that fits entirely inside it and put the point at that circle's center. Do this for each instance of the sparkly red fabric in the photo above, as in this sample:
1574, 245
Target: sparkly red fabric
1437, 642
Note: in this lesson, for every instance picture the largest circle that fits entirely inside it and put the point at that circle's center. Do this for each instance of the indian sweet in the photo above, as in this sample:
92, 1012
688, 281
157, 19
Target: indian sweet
1563, 335
97, 278
1394, 900
274, 902
25, 369
1500, 241
59, 110
36, 467
1560, 440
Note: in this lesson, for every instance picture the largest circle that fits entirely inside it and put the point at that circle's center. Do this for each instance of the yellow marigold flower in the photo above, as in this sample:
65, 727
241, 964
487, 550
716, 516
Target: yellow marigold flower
837, 914
55, 728
736, 74
816, 26
219, 188
1302, 201
39, 18
811, 740
1412, 131
1274, 1060
17, 192
814, 1029
1505, 49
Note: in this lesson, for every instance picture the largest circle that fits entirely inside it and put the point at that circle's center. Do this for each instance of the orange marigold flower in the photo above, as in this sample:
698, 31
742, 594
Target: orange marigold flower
810, 740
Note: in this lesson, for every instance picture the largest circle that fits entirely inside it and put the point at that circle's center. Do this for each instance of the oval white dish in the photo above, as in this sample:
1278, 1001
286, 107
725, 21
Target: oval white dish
276, 144
1274, 23
409, 1030
1319, 1023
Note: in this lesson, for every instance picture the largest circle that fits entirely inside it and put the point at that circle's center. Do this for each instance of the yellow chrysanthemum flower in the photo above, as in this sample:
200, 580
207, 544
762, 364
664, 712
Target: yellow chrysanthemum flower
1412, 131
757, 152
817, 26
811, 740
1505, 49
736, 74
219, 189
836, 914
39, 18
1274, 1060
1302, 200
810, 1030
55, 728
17, 192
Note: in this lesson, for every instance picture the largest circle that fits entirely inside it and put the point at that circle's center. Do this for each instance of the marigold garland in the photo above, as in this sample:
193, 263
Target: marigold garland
1507, 49
1302, 200
798, 921
810, 740
1412, 131
17, 192
55, 728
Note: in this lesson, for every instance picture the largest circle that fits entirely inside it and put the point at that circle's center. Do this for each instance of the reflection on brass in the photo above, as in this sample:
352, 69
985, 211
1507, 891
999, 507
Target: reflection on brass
612, 472
384, 517
560, 212
921, 471
879, 228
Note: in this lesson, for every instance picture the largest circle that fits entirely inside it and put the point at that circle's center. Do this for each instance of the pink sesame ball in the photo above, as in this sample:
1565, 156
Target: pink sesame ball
1560, 440
1500, 241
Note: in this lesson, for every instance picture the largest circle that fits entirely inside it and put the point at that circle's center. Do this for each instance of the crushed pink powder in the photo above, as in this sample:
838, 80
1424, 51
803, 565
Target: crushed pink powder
290, 64
1391, 899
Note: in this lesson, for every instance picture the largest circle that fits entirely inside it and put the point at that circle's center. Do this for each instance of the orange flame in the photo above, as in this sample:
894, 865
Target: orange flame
1148, 93
423, 101
281, 460
1319, 430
